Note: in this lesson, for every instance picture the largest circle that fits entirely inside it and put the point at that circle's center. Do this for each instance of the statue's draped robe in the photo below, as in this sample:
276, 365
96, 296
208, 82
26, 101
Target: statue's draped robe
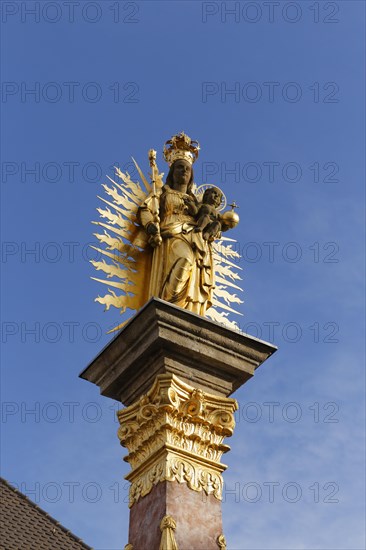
182, 266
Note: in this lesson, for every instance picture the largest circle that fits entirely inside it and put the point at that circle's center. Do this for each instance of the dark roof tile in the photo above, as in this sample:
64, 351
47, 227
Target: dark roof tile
25, 526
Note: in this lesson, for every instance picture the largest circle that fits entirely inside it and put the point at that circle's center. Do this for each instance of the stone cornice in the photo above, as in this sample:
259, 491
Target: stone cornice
165, 339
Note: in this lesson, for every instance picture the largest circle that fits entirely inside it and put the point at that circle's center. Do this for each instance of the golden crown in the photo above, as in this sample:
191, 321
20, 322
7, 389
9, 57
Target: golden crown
181, 146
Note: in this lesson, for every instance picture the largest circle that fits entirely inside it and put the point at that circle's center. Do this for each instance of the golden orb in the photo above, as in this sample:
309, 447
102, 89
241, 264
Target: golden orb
230, 219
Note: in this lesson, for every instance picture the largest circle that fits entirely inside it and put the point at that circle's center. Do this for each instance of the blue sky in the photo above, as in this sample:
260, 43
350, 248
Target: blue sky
274, 94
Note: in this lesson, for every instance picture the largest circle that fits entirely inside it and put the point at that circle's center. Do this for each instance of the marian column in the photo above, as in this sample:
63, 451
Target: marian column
171, 367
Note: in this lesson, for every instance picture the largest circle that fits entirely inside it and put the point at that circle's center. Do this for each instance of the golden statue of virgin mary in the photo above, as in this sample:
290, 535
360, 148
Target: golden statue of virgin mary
167, 239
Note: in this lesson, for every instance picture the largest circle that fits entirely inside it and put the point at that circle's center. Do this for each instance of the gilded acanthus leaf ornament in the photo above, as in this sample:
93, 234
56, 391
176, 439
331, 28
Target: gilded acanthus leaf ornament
176, 433
165, 239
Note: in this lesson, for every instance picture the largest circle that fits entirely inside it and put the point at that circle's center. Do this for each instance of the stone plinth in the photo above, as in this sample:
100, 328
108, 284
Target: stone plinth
161, 339
175, 371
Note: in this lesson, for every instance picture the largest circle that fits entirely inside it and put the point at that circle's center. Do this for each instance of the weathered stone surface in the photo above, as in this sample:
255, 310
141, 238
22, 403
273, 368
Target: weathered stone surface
145, 517
162, 338
198, 518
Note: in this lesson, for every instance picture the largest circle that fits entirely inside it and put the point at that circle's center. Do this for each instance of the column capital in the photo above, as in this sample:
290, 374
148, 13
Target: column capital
175, 432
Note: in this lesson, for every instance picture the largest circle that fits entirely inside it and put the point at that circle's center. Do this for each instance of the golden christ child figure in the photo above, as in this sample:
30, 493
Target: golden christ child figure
209, 221
166, 239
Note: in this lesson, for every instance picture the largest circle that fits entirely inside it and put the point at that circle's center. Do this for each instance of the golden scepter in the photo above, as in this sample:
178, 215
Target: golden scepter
155, 239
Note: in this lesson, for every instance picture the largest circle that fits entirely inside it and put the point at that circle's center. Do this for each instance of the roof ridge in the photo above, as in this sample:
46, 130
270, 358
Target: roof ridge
46, 514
